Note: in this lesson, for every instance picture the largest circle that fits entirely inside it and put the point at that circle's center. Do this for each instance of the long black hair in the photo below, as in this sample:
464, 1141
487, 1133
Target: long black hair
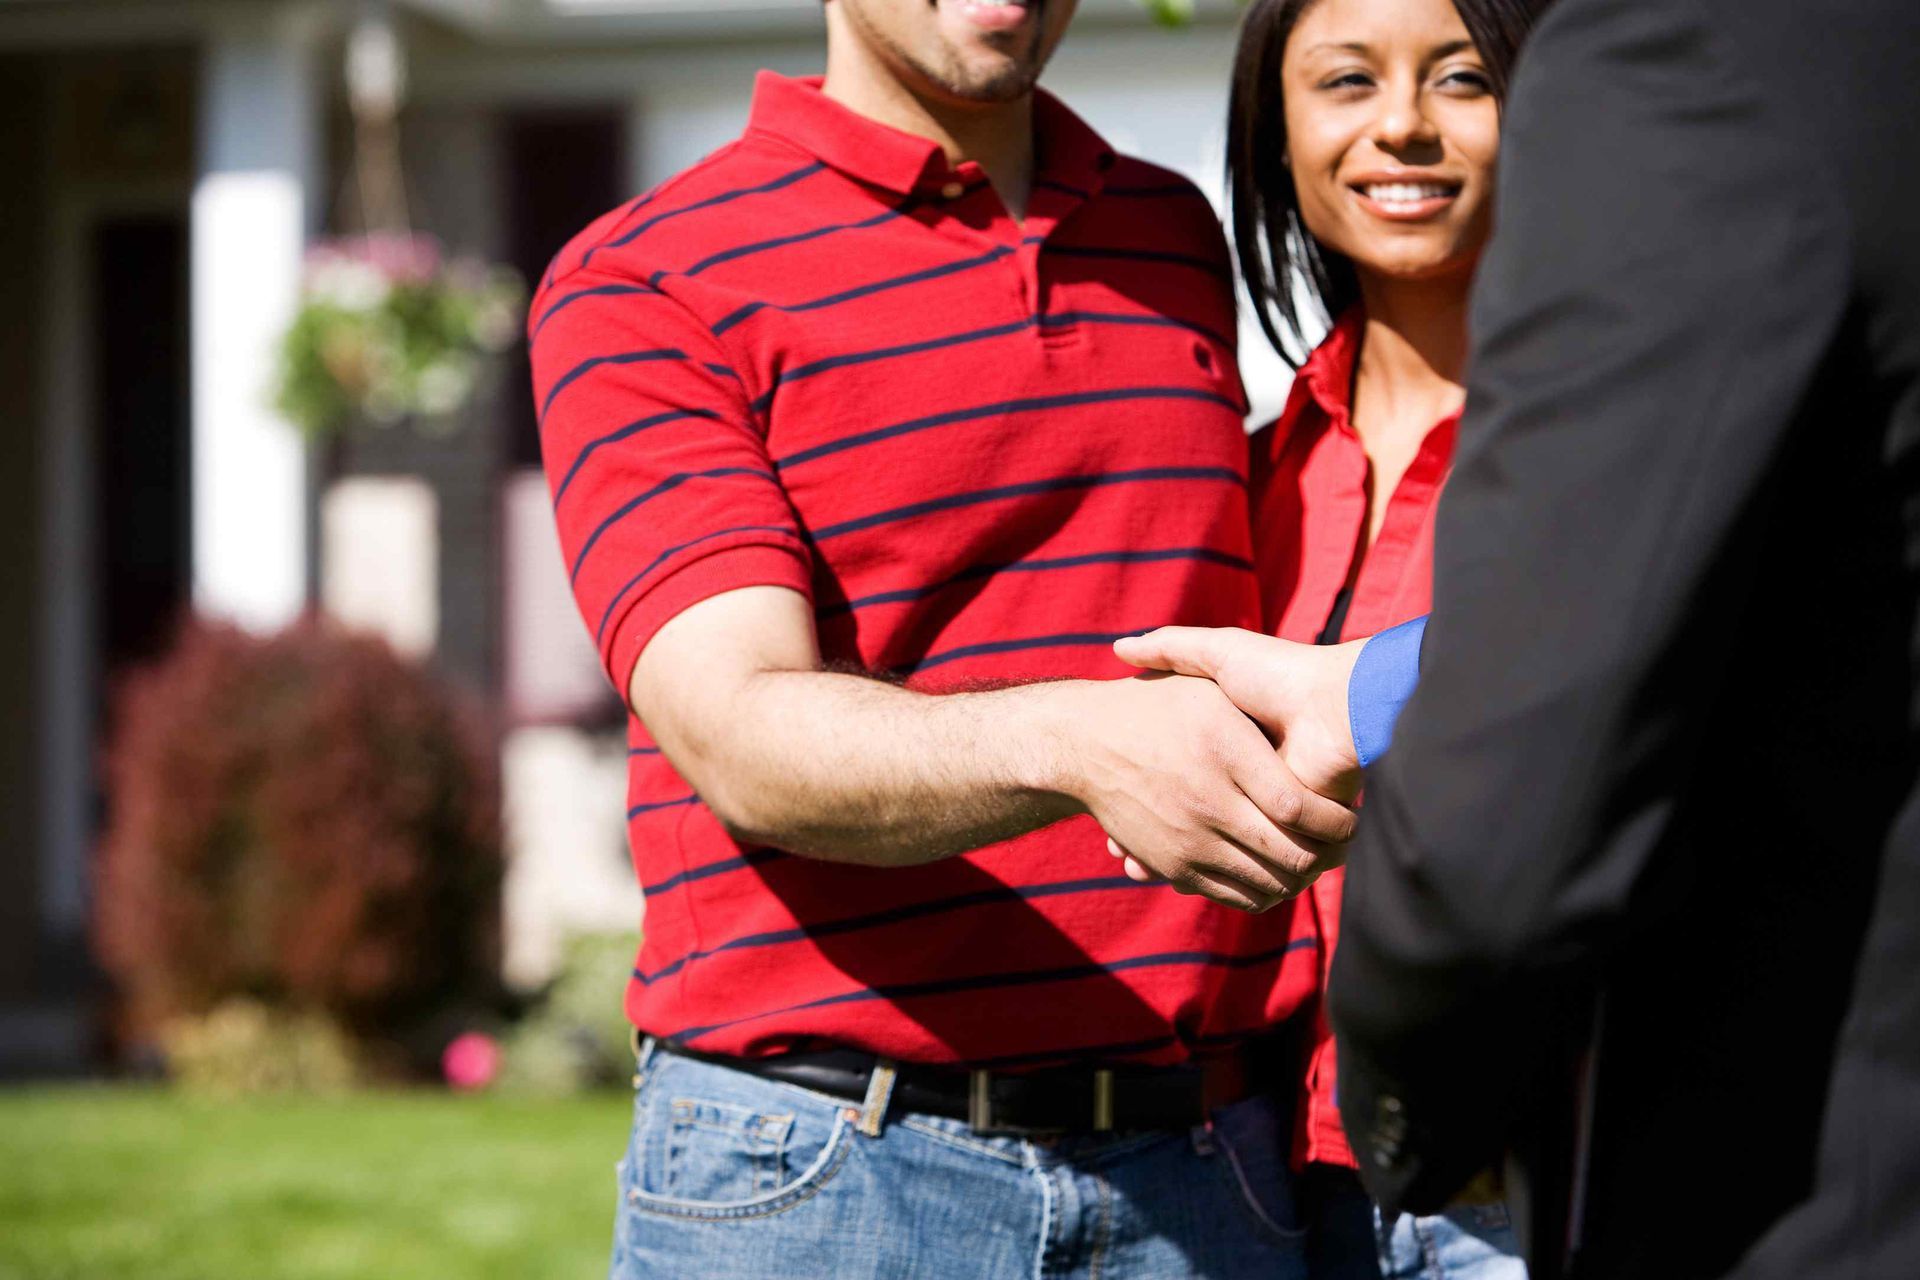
1277, 255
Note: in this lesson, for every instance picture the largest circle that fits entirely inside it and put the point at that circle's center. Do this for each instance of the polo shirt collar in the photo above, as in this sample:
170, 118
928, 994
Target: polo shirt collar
1067, 151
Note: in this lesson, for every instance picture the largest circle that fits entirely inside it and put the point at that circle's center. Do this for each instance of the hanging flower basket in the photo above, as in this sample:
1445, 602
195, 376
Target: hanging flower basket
390, 329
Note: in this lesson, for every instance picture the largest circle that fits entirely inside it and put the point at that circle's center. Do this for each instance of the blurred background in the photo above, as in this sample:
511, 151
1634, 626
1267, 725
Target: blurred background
315, 906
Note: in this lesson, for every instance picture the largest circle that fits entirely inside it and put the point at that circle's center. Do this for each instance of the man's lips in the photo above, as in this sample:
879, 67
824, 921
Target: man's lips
1405, 198
990, 15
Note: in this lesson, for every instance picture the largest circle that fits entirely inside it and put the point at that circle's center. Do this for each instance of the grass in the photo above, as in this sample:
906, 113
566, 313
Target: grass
111, 1183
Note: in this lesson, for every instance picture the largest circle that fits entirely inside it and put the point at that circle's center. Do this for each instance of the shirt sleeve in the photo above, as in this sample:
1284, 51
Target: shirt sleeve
1384, 676
663, 491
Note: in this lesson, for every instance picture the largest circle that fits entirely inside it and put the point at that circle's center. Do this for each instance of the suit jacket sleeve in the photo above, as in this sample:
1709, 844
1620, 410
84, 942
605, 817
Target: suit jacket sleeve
1667, 275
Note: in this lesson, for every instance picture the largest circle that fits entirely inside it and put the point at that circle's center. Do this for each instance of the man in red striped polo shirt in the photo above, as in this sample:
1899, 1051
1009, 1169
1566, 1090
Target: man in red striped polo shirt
867, 436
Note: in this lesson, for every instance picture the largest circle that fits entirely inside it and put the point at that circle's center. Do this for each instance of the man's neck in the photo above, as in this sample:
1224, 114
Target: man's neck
996, 136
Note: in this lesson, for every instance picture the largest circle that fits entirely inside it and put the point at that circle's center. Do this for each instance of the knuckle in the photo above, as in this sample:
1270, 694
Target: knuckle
1288, 806
1293, 861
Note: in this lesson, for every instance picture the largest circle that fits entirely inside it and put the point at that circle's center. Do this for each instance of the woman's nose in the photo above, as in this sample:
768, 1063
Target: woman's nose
1403, 124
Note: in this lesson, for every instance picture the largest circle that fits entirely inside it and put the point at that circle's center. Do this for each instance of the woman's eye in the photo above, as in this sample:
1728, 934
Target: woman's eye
1347, 80
1470, 81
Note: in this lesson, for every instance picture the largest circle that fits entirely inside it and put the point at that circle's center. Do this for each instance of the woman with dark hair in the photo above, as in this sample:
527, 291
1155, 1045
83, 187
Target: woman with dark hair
1361, 151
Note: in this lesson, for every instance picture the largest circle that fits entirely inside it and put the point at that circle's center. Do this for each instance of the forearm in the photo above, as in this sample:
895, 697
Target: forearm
853, 769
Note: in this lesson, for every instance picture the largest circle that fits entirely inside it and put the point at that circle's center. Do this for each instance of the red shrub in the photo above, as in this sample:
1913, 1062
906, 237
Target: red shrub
303, 818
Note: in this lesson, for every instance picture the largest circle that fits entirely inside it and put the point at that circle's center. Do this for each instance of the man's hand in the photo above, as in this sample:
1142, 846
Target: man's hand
1170, 768
1297, 693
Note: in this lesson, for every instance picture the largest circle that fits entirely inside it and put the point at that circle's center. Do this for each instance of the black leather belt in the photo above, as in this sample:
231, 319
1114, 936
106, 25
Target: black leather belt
1058, 1100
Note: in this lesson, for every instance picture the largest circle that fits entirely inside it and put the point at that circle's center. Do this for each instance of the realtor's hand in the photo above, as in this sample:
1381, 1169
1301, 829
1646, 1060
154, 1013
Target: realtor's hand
1296, 692
1169, 766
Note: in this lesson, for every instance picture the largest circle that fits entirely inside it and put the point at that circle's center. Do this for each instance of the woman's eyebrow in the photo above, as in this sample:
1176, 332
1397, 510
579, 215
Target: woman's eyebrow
1364, 49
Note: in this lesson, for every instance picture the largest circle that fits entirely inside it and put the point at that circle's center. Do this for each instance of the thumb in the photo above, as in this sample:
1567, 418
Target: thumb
1188, 651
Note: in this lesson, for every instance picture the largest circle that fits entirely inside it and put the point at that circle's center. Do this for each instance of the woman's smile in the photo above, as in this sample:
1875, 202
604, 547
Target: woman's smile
1405, 196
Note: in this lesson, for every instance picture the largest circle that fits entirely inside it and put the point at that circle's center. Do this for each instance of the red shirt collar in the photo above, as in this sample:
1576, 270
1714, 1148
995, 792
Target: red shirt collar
1066, 150
1328, 372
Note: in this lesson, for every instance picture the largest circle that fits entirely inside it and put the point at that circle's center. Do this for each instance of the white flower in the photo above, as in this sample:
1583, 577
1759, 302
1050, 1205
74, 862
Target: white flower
347, 284
442, 388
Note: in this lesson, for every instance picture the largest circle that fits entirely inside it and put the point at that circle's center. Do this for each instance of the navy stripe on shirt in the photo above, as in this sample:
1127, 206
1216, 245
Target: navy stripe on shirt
1031, 404
783, 181
781, 242
1064, 640
631, 429
895, 915
795, 374
861, 291
1056, 484
1051, 184
751, 858
1060, 320
600, 632
585, 367
598, 291
634, 503
640, 202
1019, 978
678, 802
1041, 565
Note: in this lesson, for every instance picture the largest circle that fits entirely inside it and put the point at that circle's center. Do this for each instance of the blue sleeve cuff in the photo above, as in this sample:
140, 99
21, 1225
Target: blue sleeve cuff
1384, 676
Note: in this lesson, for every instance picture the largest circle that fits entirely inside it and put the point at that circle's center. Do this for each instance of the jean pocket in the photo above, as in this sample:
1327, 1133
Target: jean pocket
700, 1153
1251, 1151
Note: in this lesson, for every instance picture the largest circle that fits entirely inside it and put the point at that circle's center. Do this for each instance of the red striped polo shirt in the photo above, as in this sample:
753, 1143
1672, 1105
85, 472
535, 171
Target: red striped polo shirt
823, 359
1310, 502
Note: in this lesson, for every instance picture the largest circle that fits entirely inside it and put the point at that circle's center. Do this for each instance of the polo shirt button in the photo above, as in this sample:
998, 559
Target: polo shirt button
953, 190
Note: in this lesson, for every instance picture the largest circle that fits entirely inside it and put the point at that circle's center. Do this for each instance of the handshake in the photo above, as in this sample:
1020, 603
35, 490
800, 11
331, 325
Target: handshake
1227, 769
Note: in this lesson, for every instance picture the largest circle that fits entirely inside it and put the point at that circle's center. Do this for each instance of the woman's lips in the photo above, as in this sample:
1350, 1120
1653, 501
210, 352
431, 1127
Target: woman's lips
1405, 201
990, 15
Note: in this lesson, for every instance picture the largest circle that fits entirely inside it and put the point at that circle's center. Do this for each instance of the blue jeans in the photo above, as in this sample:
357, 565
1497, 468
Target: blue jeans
1349, 1239
729, 1175
1467, 1242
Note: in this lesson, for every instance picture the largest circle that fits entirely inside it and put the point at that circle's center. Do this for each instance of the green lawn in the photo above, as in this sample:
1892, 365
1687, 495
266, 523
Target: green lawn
136, 1184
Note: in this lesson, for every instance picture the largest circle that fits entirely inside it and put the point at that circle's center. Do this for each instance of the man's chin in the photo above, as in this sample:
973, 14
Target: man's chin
990, 86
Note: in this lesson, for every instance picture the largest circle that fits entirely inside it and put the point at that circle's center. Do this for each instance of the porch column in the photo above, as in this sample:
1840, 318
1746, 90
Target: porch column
253, 203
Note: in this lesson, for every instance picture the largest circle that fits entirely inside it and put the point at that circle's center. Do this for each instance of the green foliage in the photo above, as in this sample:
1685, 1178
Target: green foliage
1170, 13
99, 1183
577, 1036
389, 331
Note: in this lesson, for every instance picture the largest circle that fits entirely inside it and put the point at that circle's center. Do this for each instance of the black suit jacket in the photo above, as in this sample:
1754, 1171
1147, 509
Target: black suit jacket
1662, 773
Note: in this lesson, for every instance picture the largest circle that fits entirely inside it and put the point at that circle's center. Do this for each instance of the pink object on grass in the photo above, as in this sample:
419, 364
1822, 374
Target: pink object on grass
471, 1061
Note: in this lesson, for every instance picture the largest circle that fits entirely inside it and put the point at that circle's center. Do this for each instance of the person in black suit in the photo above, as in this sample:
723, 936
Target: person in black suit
1635, 905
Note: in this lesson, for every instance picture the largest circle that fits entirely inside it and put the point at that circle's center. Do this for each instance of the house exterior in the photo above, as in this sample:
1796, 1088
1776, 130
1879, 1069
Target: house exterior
167, 162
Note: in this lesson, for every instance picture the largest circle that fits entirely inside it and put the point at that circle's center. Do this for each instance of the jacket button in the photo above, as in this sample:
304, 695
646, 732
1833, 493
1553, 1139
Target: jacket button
953, 190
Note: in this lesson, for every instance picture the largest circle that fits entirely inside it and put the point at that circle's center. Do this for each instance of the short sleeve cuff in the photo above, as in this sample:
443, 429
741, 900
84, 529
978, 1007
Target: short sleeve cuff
1384, 676
728, 569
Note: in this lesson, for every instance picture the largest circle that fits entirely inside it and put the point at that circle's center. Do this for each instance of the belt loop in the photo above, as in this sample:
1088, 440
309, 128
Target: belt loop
879, 1095
1103, 1101
980, 1101
643, 1050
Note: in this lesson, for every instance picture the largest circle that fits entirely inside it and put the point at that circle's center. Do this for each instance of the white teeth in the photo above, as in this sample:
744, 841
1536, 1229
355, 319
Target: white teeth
1406, 192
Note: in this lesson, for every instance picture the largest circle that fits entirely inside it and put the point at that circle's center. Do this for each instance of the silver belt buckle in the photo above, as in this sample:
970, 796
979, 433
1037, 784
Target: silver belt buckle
980, 1105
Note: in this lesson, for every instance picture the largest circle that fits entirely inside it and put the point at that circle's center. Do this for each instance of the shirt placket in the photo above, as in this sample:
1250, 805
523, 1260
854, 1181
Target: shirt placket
1388, 561
1337, 471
